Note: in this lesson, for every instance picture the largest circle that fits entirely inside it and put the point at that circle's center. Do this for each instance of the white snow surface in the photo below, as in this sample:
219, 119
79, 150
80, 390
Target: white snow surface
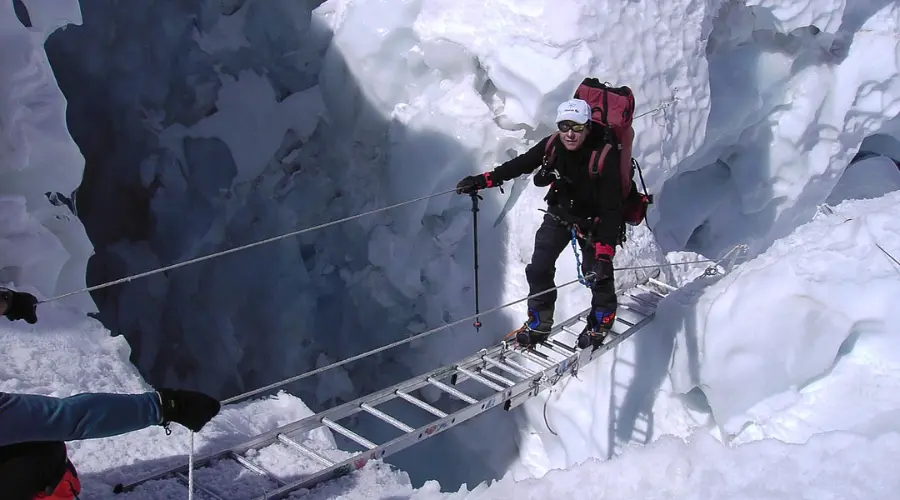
795, 352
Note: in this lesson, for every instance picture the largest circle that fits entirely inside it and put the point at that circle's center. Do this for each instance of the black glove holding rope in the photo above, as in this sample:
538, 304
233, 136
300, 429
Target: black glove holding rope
18, 305
472, 183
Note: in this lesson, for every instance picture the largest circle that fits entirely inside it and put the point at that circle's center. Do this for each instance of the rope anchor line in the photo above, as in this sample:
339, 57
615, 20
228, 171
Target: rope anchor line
244, 247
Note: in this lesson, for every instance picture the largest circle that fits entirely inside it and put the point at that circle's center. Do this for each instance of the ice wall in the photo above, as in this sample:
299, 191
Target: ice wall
792, 95
43, 246
228, 124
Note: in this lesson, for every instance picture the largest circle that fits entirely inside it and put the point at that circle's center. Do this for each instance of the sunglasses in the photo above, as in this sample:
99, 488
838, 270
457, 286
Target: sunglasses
566, 126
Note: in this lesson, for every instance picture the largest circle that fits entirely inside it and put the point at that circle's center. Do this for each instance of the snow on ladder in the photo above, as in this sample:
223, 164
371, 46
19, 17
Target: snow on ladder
503, 370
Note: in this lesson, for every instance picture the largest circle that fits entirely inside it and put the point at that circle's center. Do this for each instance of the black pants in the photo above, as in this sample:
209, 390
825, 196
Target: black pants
550, 240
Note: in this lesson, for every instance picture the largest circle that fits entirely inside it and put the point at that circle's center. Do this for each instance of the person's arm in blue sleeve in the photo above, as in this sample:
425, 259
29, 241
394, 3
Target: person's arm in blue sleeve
33, 417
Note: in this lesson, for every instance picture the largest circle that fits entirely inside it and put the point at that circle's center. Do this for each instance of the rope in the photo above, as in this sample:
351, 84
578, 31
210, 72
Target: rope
191, 470
664, 105
426, 333
244, 247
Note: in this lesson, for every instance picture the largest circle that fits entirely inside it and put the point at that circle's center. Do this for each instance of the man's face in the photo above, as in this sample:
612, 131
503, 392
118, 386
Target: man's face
572, 134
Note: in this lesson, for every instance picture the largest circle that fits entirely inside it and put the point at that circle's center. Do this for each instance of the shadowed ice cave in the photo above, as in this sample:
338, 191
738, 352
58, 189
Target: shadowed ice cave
208, 125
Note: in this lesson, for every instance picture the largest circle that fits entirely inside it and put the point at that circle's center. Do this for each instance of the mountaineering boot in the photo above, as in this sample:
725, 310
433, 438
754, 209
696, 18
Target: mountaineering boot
189, 408
599, 324
536, 328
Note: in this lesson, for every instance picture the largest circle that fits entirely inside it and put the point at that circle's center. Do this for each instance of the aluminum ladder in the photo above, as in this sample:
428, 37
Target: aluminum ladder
510, 376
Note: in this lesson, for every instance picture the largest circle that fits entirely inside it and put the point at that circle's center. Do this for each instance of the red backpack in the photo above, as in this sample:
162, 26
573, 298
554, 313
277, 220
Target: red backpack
612, 112
68, 487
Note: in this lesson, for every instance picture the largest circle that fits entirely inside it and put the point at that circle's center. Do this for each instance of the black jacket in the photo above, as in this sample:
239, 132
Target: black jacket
576, 193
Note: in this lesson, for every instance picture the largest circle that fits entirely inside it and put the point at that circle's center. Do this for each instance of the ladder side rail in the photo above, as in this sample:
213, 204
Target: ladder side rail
315, 421
522, 391
352, 407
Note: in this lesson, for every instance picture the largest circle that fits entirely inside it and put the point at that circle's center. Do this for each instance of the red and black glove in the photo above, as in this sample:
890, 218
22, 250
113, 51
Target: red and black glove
473, 183
603, 257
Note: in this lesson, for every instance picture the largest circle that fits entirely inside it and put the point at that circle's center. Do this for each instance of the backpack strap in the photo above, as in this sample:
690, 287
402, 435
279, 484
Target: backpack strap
550, 150
597, 160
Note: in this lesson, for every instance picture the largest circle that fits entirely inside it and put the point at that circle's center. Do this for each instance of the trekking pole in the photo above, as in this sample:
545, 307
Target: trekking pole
475, 198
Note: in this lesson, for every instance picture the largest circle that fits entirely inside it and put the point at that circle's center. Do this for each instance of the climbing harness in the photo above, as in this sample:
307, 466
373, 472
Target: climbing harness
581, 279
578, 259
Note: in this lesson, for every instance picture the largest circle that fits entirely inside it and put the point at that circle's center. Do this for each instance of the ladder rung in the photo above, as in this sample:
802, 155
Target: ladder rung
450, 390
629, 315
637, 305
252, 467
536, 357
564, 347
474, 376
662, 284
644, 302
627, 323
200, 487
421, 404
636, 309
569, 330
348, 433
304, 450
505, 367
552, 345
387, 418
548, 352
654, 292
497, 377
519, 367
